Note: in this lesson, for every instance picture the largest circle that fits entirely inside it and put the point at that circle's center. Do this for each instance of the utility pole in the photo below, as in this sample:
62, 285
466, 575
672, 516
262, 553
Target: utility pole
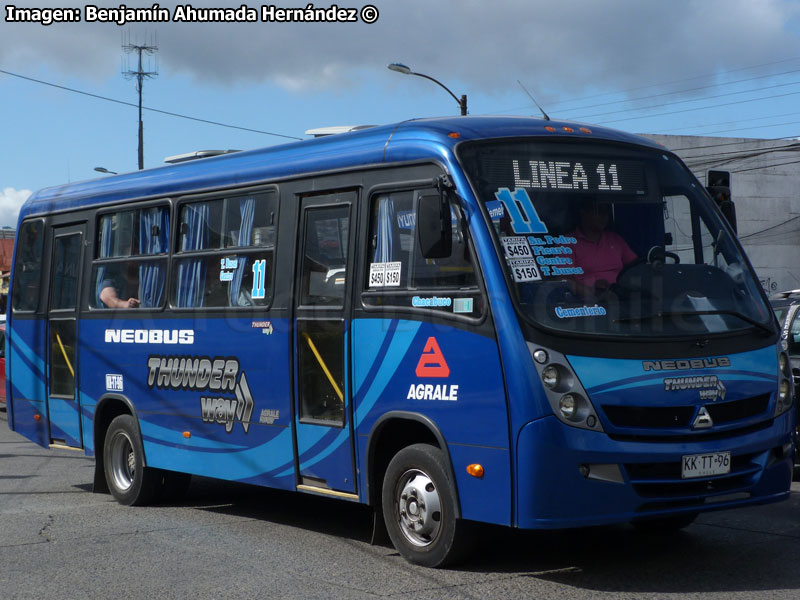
140, 75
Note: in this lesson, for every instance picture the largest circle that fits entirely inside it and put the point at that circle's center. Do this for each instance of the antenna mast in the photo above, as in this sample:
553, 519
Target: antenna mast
544, 114
140, 75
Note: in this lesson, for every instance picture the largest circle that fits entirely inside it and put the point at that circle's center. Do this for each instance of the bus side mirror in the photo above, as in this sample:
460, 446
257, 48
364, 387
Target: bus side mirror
434, 226
722, 197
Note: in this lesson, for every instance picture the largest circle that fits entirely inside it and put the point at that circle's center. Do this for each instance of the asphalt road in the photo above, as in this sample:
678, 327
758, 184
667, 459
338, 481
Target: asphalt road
59, 540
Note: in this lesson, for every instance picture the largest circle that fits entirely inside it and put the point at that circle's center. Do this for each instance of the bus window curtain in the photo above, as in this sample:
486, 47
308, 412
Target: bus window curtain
192, 271
106, 244
387, 237
247, 210
153, 239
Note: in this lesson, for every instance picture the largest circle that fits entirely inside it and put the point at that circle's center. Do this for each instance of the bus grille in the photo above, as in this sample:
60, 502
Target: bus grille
703, 435
680, 417
661, 484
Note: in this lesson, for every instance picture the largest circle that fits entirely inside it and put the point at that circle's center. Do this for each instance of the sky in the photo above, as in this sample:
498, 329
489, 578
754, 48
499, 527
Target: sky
694, 67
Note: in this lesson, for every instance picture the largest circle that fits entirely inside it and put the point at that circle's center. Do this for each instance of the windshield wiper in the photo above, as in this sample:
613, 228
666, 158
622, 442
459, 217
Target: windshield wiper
693, 313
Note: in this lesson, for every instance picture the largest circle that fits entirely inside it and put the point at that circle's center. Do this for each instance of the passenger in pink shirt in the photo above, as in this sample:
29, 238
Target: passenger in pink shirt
600, 253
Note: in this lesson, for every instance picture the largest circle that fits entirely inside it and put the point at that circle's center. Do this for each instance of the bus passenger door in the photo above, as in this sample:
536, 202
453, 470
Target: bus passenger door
63, 405
322, 299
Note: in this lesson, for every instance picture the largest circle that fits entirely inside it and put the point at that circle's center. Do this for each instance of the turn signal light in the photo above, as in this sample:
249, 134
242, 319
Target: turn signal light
187, 434
475, 470
454, 135
37, 417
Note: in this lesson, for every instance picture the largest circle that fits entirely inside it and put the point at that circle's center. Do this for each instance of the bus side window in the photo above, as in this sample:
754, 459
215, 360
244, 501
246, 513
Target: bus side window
131, 258
325, 259
395, 261
28, 267
225, 252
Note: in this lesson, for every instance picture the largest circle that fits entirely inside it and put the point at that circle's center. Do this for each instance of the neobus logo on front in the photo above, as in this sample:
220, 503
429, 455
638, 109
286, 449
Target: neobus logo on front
149, 336
686, 364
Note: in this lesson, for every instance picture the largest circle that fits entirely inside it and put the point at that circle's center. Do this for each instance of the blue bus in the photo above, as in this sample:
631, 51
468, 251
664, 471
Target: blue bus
503, 320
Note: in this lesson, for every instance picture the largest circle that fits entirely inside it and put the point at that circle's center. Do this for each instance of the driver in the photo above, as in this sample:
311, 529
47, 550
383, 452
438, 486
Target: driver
601, 253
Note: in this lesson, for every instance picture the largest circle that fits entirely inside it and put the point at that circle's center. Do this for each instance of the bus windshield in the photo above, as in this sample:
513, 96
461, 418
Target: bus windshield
606, 239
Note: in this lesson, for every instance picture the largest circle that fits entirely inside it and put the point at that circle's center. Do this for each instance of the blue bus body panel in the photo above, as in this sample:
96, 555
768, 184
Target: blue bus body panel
27, 386
467, 405
238, 415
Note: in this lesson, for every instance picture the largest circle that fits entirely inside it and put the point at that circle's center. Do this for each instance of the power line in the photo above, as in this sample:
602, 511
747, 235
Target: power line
794, 162
655, 85
614, 112
155, 110
750, 119
694, 89
675, 112
769, 64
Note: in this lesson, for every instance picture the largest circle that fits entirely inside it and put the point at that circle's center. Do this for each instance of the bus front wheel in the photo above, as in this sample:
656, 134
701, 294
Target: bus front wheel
419, 508
130, 482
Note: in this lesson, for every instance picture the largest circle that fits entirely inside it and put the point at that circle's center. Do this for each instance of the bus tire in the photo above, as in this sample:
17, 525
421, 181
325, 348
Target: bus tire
129, 481
419, 508
664, 524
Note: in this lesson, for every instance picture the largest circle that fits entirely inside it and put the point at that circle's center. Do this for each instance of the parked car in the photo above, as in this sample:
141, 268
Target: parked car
787, 309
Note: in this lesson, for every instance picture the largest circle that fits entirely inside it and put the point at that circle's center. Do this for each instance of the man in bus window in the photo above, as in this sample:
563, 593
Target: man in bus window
601, 253
118, 285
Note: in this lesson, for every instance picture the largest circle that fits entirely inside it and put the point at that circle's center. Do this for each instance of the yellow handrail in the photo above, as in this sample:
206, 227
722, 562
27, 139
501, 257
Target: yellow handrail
64, 352
324, 366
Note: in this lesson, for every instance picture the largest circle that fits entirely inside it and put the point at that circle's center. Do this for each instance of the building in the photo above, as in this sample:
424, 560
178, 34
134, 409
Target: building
765, 186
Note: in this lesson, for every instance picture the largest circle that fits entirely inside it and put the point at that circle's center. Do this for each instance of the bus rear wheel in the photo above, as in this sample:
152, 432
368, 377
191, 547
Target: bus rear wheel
130, 482
419, 508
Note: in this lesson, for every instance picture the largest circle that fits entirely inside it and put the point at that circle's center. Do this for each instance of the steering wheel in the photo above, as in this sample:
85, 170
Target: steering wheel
657, 256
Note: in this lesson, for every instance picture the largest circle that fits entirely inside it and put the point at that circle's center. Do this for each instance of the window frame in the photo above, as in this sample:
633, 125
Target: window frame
15, 281
477, 292
96, 260
176, 254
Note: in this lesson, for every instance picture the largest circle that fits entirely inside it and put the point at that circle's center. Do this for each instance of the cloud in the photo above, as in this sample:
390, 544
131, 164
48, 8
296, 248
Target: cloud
555, 47
10, 202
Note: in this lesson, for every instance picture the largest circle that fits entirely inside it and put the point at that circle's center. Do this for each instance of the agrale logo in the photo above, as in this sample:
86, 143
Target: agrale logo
432, 365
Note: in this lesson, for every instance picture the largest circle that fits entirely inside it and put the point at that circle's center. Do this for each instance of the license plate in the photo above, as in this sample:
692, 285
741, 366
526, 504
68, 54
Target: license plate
705, 465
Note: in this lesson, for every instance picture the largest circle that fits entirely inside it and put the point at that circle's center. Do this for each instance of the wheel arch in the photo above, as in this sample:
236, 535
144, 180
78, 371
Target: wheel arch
391, 433
109, 407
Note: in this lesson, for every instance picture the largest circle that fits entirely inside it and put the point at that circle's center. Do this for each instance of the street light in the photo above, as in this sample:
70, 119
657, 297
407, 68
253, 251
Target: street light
104, 170
401, 68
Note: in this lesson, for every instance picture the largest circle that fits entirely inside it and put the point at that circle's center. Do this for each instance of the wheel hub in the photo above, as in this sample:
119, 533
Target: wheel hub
123, 461
419, 508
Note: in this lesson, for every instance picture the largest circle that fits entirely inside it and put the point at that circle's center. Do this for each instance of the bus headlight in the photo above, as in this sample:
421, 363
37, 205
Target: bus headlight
785, 395
568, 400
784, 390
550, 377
568, 406
783, 362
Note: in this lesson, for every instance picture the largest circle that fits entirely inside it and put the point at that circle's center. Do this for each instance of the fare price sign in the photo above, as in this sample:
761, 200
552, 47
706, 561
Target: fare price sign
385, 274
516, 247
520, 258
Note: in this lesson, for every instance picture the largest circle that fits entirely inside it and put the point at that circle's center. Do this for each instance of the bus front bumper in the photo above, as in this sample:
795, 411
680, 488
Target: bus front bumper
571, 477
